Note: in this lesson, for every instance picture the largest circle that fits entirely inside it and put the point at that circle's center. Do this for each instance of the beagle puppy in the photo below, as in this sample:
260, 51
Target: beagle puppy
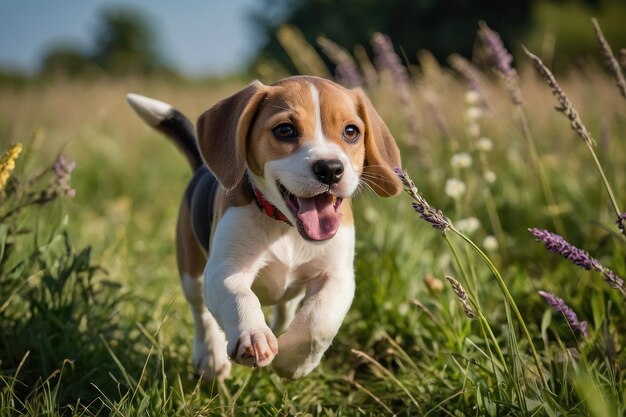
266, 218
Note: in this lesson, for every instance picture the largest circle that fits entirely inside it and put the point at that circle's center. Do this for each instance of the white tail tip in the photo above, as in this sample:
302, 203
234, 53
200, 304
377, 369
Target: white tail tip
152, 111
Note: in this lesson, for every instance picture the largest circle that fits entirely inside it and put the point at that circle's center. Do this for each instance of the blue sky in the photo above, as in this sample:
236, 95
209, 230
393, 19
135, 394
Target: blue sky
199, 37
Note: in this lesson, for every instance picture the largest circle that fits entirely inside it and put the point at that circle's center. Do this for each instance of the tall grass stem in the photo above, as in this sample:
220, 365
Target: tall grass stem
509, 298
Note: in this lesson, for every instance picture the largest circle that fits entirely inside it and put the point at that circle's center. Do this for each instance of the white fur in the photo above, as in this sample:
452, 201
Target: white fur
261, 260
319, 131
152, 111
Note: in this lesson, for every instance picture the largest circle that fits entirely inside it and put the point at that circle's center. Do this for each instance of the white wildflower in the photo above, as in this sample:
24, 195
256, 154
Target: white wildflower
468, 225
473, 130
370, 214
484, 144
472, 97
490, 177
472, 114
490, 243
455, 188
461, 160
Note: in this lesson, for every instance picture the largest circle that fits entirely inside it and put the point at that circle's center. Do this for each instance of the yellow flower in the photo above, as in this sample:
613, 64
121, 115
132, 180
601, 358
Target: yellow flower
7, 163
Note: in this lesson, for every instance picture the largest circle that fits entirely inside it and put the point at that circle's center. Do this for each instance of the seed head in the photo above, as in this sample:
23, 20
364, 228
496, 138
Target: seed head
462, 296
7, 163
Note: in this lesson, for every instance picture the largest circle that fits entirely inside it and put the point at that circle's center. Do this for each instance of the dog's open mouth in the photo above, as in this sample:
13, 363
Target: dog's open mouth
318, 217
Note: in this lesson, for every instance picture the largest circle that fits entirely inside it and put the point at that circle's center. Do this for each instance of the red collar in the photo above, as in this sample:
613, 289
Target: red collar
268, 208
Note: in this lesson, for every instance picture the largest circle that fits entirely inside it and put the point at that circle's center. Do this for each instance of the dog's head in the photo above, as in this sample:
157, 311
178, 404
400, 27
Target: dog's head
307, 143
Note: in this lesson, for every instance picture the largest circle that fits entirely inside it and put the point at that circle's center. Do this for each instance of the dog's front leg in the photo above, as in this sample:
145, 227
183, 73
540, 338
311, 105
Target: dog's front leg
326, 302
228, 276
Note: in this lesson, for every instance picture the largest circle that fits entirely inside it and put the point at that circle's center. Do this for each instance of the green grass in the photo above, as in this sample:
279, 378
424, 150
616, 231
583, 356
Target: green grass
93, 321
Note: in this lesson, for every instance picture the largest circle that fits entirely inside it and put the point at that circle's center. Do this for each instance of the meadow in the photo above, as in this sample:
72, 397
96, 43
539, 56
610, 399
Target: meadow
93, 320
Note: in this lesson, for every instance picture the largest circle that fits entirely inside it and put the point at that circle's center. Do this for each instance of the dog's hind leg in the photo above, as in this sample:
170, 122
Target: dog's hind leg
209, 351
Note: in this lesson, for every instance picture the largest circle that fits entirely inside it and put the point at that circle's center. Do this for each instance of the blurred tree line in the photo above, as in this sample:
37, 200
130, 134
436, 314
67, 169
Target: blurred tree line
562, 28
125, 42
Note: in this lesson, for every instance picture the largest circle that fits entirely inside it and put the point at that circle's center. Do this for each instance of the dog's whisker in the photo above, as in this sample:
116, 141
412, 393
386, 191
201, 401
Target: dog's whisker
376, 177
371, 185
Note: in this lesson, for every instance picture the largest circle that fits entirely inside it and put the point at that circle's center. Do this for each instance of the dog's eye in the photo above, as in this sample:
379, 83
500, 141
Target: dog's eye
351, 133
285, 131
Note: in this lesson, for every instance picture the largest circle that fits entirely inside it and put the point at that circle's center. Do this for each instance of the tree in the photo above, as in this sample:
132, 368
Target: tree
441, 26
125, 43
66, 60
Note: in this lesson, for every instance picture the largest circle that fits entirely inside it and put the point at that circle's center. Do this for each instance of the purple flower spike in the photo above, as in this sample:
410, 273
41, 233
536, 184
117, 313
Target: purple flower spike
63, 168
558, 245
386, 57
434, 216
501, 58
560, 307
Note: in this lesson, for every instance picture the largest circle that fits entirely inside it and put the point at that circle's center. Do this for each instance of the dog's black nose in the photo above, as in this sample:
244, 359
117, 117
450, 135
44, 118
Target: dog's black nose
328, 171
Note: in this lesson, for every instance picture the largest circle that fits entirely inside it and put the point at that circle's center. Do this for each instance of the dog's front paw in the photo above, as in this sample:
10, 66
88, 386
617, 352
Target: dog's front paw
254, 348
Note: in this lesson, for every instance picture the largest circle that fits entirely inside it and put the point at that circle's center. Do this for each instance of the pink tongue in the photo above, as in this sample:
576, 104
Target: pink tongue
319, 218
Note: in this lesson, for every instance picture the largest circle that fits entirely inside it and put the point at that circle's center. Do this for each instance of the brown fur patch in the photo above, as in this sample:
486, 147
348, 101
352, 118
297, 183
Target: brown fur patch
189, 254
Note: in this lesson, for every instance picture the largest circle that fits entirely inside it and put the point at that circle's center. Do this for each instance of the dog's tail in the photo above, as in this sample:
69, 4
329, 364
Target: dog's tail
169, 121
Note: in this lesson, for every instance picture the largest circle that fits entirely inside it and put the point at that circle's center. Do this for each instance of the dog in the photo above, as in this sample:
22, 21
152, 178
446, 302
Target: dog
267, 220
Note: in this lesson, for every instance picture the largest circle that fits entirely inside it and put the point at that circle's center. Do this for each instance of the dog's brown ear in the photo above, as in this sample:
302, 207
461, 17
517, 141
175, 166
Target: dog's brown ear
381, 152
223, 132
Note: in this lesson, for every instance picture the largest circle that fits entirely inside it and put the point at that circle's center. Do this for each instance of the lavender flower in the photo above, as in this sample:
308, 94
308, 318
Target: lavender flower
346, 71
435, 217
557, 244
62, 174
467, 70
621, 223
386, 58
609, 58
570, 316
501, 59
566, 106
560, 246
